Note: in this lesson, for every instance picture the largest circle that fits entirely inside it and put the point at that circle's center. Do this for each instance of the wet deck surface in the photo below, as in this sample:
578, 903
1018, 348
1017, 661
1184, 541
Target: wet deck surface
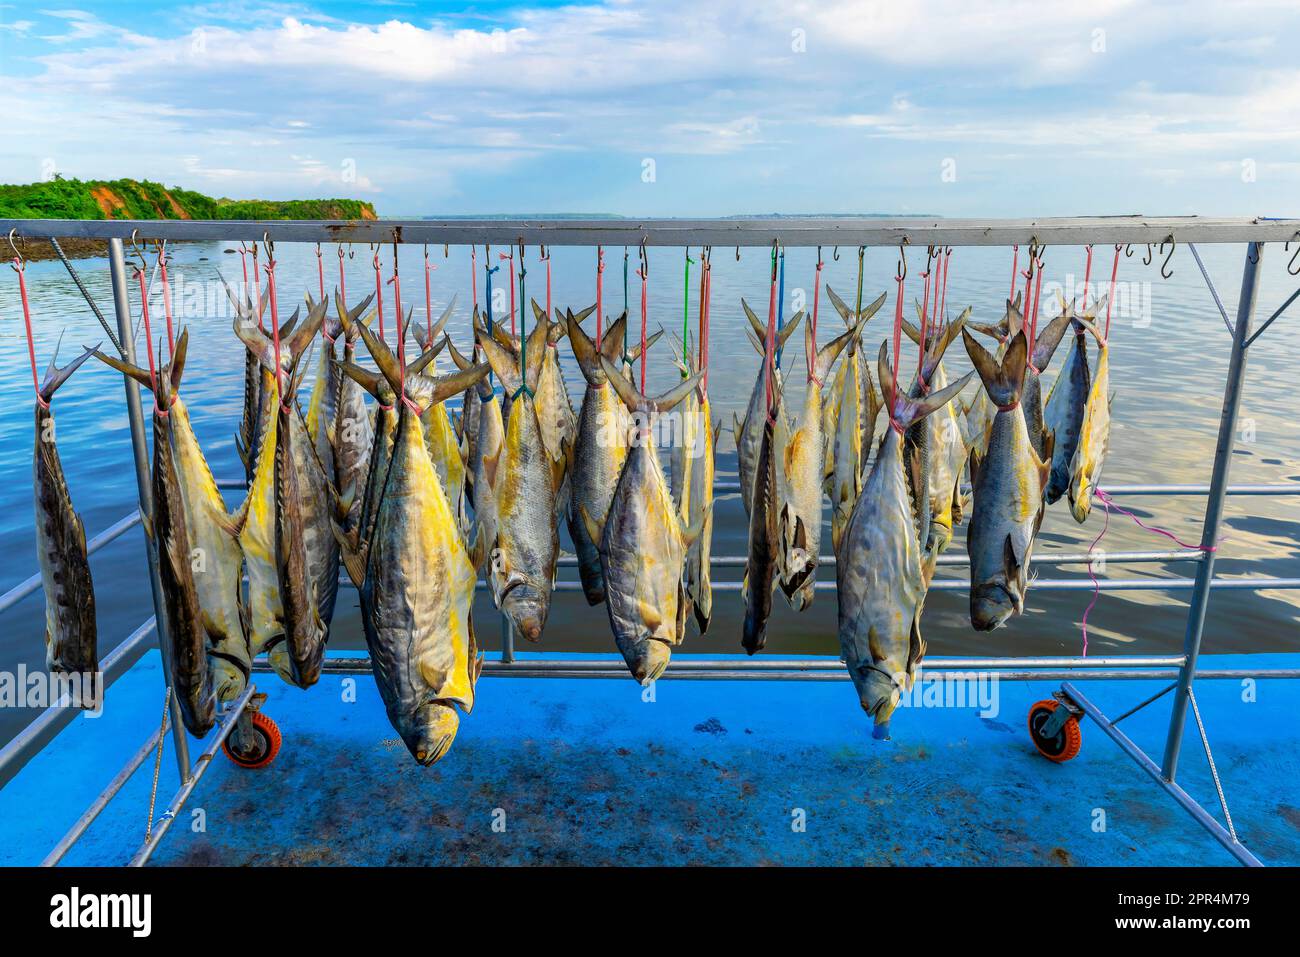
587, 772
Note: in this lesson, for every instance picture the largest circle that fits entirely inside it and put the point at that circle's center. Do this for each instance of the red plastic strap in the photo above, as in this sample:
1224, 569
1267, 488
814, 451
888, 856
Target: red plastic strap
167, 299
1087, 276
704, 326
320, 272
275, 330
1110, 299
547, 259
379, 296
257, 290
645, 279
20, 267
600, 300
1015, 266
148, 336
898, 345
812, 351
943, 299
243, 262
397, 302
343, 279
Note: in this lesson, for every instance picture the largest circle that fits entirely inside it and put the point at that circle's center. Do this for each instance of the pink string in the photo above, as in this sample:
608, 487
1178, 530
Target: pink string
1108, 503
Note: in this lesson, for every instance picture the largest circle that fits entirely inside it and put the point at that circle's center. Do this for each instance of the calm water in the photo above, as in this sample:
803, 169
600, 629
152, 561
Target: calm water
1169, 358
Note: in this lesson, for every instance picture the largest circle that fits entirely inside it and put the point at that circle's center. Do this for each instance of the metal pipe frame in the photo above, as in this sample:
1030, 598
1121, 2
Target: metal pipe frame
749, 232
739, 231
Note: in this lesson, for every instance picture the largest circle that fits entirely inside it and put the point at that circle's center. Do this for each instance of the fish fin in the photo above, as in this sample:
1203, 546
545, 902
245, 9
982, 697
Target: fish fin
582, 314
243, 452
973, 463
786, 331
352, 553
121, 365
634, 352
637, 402
502, 360
759, 327
611, 346
370, 381
584, 350
756, 341
737, 427
594, 531
1045, 463
828, 353
650, 614
840, 306
907, 410
691, 533
1046, 341
1002, 381
874, 647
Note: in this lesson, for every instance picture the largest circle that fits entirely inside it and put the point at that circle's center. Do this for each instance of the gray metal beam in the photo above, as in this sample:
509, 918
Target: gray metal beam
741, 231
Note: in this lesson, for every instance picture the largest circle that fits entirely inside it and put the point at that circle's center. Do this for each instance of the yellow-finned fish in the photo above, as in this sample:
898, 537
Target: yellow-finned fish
642, 542
211, 532
415, 572
749, 433
1094, 434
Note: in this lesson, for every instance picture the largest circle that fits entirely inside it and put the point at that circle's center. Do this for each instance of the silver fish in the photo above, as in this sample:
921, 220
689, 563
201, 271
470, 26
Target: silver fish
1094, 433
801, 473
525, 483
749, 433
1066, 403
600, 449
883, 572
642, 542
1008, 483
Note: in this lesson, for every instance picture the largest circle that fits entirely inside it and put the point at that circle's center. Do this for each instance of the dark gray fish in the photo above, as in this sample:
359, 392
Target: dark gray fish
70, 630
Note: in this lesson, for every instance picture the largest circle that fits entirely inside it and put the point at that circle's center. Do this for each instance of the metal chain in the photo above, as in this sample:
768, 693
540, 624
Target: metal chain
1214, 772
157, 764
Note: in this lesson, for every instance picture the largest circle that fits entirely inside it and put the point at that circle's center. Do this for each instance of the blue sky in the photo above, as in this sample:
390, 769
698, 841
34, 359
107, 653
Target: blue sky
954, 108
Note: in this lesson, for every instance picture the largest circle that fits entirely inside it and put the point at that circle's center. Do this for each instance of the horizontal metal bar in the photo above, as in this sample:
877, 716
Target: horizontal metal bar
1185, 800
826, 669
228, 719
960, 561
1049, 584
740, 231
26, 587
101, 802
27, 742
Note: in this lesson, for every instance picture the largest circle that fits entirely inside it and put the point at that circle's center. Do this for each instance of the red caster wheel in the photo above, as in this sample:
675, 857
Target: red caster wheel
267, 735
1055, 739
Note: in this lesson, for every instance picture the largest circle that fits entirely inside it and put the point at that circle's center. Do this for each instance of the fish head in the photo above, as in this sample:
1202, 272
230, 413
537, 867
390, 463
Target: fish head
993, 602
648, 659
1080, 493
879, 694
227, 680
429, 730
526, 605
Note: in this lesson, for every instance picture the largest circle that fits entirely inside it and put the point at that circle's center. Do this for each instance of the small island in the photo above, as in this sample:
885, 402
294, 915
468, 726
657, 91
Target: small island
61, 198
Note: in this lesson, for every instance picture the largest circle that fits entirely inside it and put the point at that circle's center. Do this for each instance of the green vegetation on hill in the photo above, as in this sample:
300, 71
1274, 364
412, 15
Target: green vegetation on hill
142, 199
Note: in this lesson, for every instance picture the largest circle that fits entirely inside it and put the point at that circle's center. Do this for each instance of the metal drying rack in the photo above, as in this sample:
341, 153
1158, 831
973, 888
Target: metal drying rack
1180, 670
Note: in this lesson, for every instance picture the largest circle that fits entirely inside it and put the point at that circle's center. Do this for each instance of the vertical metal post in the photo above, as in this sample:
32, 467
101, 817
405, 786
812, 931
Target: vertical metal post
1214, 507
122, 306
507, 639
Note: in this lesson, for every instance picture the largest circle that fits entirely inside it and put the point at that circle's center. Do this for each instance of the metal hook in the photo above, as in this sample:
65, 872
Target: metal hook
135, 246
1172, 246
900, 273
737, 254
17, 255
645, 259
1128, 250
1252, 253
1296, 270
835, 254
1146, 260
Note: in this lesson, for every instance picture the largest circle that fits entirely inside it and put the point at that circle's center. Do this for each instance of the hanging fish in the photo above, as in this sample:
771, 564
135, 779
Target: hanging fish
642, 542
761, 557
802, 473
554, 410
1008, 482
484, 455
694, 459
1066, 401
600, 449
525, 483
935, 446
979, 414
260, 536
1094, 433
883, 573
246, 438
749, 433
445, 448
856, 410
71, 636
348, 430
190, 677
1045, 342
212, 534
416, 575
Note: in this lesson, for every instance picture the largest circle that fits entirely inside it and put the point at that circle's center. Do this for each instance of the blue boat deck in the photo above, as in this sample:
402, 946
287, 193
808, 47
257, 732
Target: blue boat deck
584, 771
